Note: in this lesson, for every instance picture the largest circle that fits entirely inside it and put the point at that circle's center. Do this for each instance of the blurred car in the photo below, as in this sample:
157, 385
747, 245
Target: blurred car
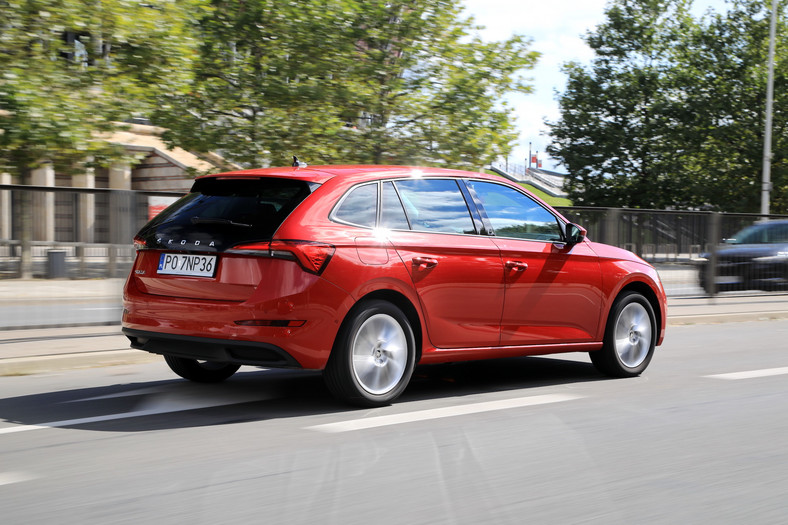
365, 271
756, 258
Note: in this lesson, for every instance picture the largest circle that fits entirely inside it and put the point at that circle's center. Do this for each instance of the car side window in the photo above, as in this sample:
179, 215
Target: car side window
778, 233
514, 214
359, 206
392, 215
435, 205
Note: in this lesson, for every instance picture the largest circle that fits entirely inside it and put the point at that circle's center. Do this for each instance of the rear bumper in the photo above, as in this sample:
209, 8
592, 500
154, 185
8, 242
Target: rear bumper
209, 349
244, 332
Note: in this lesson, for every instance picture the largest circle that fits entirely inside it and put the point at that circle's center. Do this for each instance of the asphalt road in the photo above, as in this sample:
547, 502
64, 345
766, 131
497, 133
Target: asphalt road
529, 440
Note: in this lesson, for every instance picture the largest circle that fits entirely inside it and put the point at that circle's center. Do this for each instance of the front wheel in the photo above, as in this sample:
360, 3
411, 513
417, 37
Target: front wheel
373, 356
201, 371
630, 337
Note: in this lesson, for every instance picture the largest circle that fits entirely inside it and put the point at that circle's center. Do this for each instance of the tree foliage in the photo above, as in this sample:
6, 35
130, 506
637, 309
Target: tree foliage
71, 69
670, 113
347, 81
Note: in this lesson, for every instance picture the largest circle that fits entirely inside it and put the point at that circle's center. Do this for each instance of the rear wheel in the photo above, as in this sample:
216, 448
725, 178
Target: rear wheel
373, 356
201, 371
630, 337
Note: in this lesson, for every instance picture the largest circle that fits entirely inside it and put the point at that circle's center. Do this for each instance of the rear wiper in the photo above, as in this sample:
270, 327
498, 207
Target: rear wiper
201, 220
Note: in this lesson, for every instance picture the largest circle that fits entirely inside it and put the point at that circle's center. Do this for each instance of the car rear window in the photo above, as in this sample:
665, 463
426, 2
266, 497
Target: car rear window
228, 211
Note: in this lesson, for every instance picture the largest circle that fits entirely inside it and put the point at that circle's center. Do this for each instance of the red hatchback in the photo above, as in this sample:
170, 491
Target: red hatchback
365, 271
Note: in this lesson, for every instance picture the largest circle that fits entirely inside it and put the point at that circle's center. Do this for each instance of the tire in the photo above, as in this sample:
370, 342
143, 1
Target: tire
201, 371
630, 337
373, 356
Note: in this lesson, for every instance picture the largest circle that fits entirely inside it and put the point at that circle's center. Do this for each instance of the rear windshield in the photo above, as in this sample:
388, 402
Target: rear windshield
220, 213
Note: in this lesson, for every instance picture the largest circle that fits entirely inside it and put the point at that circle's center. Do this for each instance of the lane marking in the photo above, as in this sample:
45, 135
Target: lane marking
752, 374
438, 413
9, 478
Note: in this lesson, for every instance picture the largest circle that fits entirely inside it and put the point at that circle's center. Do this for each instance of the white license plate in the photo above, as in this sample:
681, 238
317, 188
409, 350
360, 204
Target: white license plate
727, 279
183, 264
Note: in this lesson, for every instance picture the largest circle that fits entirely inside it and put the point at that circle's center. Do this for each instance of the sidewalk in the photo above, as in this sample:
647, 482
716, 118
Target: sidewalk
25, 352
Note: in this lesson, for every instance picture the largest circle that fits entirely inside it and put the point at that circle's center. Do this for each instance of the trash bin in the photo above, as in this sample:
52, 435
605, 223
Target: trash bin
56, 264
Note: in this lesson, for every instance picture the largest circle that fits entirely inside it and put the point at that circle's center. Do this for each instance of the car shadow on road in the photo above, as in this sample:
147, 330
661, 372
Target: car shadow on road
258, 395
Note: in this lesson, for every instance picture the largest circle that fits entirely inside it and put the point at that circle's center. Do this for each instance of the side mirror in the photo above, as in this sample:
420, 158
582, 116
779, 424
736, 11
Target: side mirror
575, 234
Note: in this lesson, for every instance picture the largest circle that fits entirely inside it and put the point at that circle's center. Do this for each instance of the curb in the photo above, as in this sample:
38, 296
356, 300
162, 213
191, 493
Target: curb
681, 320
21, 366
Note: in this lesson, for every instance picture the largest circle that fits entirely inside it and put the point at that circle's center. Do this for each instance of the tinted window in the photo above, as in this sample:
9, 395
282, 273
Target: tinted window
220, 213
761, 234
779, 233
359, 206
435, 206
514, 214
392, 216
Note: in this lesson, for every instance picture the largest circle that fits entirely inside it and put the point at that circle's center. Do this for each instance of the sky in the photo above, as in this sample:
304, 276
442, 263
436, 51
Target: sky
556, 29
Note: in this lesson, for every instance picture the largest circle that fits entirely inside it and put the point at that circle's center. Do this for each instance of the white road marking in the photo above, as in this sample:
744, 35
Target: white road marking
437, 413
9, 478
752, 374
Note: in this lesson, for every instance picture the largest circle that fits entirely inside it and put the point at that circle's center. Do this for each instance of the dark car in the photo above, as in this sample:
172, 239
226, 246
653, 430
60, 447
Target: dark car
365, 271
756, 258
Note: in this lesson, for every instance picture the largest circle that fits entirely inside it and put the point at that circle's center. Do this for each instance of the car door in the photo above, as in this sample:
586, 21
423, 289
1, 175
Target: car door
553, 289
457, 273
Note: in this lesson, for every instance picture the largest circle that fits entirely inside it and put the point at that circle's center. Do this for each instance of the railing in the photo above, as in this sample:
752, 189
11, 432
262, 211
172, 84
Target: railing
75, 233
90, 231
71, 260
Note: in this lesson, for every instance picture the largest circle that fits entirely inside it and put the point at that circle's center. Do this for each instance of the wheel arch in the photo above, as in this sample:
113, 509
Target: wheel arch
401, 302
651, 296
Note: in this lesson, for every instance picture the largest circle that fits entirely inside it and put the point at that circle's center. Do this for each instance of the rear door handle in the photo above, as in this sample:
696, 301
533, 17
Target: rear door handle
425, 262
517, 266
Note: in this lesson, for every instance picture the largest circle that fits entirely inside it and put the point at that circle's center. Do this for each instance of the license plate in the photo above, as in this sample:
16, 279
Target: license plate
183, 264
727, 279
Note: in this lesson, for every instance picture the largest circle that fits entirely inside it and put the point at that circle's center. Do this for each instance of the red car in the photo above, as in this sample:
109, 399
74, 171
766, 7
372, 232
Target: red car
365, 271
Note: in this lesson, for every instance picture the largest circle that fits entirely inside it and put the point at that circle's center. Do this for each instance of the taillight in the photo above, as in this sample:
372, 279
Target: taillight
312, 256
139, 243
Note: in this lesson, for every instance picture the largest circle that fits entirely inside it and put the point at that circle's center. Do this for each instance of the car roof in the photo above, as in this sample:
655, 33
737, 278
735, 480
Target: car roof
355, 173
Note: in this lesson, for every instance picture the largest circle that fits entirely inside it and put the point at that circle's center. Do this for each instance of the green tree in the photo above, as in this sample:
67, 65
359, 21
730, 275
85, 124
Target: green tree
724, 74
347, 81
71, 69
671, 111
617, 116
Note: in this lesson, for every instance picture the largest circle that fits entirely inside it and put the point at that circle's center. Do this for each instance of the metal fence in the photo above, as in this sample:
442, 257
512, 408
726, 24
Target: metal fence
76, 233
79, 233
682, 245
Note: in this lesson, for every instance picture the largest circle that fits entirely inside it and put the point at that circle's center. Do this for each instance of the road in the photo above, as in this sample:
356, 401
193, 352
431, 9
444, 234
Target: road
530, 440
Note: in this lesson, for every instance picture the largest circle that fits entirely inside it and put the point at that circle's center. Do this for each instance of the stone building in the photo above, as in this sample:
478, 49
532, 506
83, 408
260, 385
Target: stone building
69, 216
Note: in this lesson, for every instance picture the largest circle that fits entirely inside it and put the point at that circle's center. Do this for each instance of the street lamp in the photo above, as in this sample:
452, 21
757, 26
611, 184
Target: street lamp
767, 134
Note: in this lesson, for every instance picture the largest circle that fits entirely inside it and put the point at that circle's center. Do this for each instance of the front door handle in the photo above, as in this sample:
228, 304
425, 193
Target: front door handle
425, 262
517, 266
